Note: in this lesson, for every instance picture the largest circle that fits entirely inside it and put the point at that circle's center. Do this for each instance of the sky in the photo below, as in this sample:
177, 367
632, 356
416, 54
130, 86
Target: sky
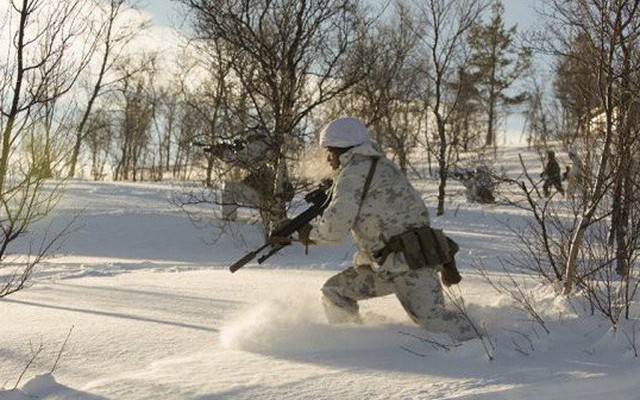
167, 13
163, 12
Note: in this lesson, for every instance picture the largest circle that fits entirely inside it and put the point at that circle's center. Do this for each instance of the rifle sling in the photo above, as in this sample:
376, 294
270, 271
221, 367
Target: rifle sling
367, 182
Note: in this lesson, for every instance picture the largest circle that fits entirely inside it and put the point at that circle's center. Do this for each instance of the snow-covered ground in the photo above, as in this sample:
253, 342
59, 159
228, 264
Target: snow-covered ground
151, 312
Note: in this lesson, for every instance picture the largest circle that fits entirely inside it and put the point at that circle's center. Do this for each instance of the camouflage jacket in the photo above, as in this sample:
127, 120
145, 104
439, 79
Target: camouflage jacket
390, 207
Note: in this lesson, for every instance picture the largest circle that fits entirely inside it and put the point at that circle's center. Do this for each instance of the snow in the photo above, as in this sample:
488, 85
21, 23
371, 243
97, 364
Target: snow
152, 312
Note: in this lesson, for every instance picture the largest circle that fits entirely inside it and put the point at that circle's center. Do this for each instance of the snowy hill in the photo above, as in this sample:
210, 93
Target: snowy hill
151, 312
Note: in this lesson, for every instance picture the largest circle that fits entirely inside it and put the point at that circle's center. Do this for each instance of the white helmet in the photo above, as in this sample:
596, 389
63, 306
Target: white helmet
343, 133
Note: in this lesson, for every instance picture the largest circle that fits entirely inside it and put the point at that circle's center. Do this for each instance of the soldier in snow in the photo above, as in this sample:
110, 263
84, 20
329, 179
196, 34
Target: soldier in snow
247, 154
257, 188
575, 175
551, 175
372, 199
479, 186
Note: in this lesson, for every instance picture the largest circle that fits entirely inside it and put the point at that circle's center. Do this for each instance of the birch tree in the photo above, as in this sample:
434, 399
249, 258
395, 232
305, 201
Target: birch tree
447, 25
389, 96
42, 61
112, 36
596, 42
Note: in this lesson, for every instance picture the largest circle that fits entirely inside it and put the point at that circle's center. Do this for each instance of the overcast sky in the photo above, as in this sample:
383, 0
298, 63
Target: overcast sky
166, 12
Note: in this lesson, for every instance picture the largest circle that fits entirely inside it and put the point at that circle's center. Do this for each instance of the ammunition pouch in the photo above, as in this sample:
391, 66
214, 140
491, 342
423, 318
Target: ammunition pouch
424, 247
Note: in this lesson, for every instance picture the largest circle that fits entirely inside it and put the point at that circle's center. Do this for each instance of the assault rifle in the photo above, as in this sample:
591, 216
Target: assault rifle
318, 200
218, 149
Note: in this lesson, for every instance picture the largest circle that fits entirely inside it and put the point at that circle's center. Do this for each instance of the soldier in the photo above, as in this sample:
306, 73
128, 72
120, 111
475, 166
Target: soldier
251, 156
372, 199
257, 189
575, 175
551, 175
480, 186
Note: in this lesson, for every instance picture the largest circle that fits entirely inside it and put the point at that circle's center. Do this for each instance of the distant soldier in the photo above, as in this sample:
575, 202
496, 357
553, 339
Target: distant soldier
575, 175
551, 175
481, 186
257, 189
250, 155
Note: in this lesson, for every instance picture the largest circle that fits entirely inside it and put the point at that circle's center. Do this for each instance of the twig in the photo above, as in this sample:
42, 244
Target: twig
517, 345
517, 294
433, 343
458, 303
412, 352
64, 344
24, 371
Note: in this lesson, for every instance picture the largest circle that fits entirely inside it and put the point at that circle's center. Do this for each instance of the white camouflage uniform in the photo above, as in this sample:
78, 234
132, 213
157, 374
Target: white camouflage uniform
575, 176
248, 191
391, 206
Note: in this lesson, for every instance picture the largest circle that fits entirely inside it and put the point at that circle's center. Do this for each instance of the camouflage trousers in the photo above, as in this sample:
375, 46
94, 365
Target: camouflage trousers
419, 291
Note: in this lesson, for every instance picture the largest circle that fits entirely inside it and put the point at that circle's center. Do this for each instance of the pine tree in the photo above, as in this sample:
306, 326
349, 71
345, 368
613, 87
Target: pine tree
498, 63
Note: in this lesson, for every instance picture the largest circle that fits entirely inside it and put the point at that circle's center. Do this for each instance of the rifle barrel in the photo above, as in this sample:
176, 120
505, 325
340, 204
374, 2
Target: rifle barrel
250, 256
241, 262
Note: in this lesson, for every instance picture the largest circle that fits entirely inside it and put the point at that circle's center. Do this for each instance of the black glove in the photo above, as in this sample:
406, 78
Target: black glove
278, 226
274, 236
450, 275
303, 234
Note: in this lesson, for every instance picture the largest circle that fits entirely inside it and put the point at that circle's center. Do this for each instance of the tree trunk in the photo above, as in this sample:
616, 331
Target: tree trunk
574, 248
442, 164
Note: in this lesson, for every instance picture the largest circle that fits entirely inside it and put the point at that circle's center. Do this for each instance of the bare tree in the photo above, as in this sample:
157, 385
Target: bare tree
208, 114
389, 95
99, 140
447, 24
166, 121
135, 117
607, 32
545, 120
286, 60
41, 65
111, 41
45, 142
